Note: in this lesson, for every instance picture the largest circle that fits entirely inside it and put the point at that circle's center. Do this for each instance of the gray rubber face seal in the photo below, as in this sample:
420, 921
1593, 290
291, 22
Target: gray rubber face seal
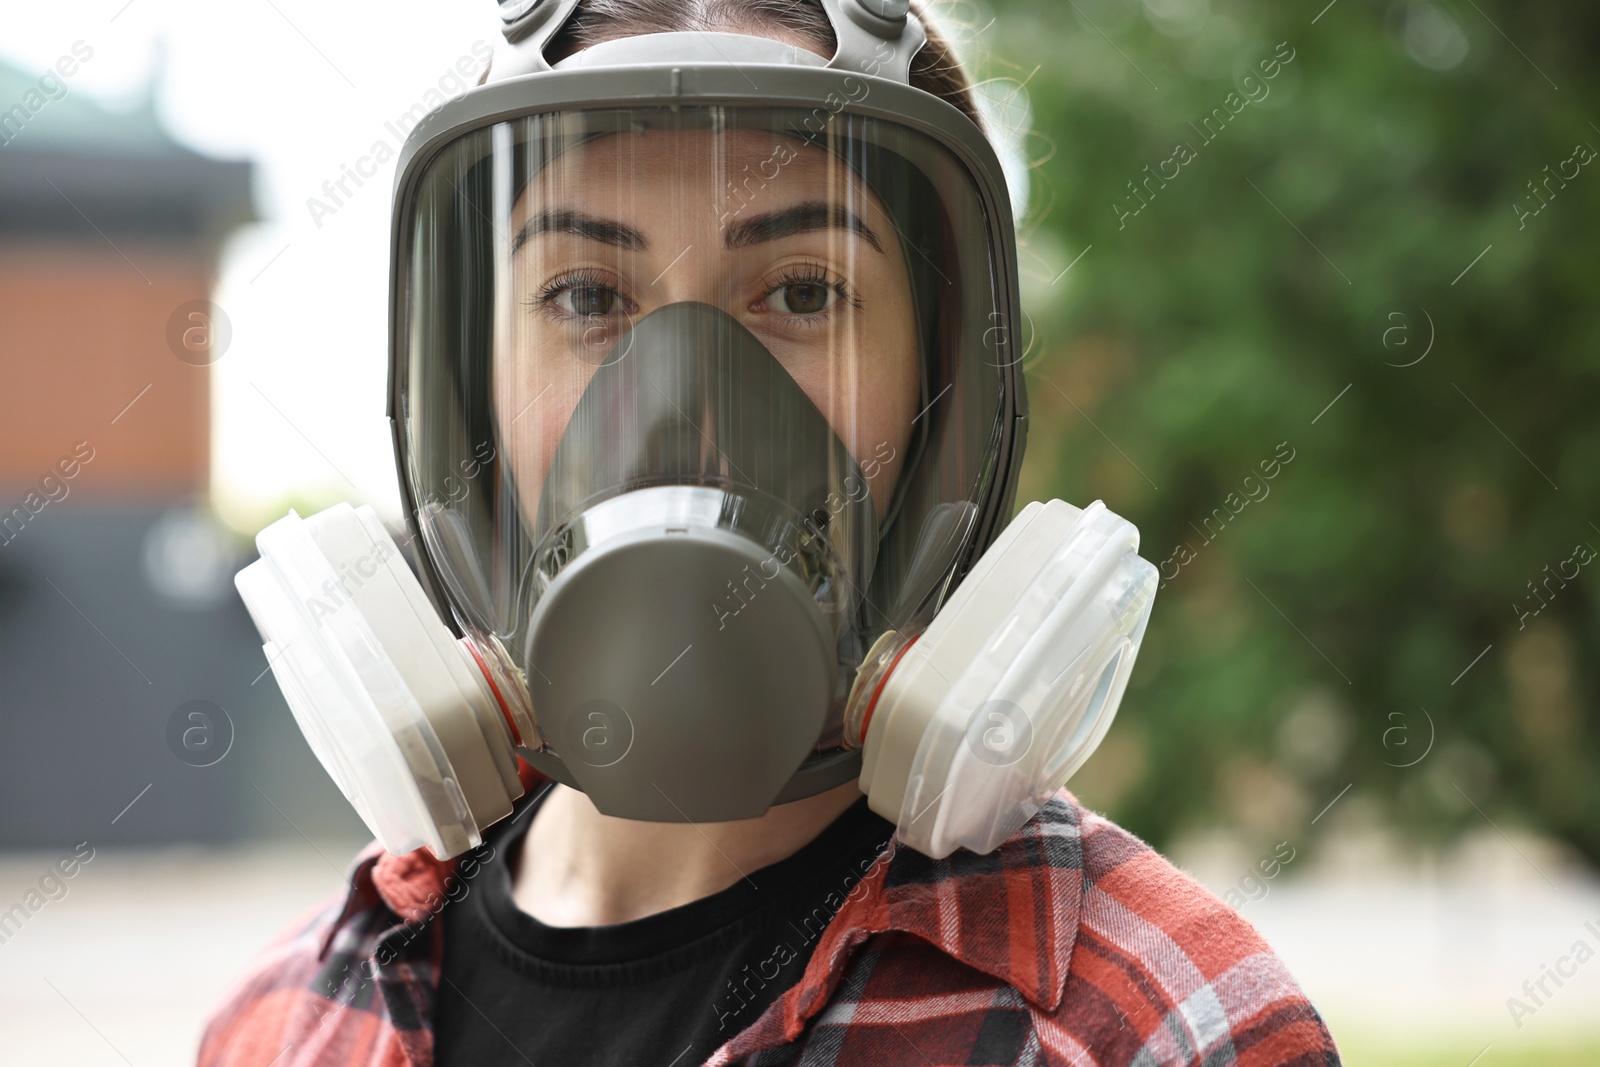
690, 396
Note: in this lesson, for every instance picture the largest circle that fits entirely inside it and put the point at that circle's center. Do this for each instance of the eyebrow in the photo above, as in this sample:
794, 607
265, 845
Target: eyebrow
802, 218
590, 227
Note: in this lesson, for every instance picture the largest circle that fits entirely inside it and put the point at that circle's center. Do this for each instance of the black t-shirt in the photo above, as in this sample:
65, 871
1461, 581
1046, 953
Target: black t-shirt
666, 990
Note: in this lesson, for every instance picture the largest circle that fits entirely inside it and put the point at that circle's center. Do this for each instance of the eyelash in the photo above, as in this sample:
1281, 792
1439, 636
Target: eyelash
578, 279
811, 274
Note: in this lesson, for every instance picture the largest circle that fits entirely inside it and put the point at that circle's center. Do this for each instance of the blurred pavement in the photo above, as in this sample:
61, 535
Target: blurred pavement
146, 941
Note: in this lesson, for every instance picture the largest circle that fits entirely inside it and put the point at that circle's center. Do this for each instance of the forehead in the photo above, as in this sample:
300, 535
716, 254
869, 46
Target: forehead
731, 164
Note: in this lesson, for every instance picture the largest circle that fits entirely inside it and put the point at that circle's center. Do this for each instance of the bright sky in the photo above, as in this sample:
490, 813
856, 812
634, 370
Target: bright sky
304, 89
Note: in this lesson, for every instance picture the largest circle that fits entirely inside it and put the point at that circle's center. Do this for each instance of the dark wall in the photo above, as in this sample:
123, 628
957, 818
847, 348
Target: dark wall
111, 620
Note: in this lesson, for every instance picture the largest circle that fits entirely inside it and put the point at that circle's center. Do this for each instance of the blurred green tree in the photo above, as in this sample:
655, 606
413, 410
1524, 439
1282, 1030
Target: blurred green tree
1361, 235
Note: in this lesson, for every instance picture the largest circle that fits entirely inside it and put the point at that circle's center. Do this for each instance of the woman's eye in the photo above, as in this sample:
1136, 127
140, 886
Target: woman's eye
587, 300
802, 298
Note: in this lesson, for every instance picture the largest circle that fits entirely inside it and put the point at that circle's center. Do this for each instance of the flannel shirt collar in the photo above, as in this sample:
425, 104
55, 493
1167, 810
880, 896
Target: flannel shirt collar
950, 903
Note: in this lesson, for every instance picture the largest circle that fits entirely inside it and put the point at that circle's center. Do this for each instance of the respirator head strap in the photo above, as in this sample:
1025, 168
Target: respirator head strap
877, 37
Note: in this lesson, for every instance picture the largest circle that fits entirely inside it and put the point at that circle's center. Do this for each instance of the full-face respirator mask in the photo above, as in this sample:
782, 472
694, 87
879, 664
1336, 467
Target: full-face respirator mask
708, 414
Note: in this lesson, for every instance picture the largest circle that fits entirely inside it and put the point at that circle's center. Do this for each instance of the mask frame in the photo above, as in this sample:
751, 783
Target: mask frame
764, 81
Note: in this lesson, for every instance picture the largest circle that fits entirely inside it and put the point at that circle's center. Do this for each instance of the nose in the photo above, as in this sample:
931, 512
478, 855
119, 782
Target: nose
693, 274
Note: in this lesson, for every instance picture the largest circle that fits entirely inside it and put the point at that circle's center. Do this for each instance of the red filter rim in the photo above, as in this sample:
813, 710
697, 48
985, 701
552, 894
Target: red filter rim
488, 676
877, 690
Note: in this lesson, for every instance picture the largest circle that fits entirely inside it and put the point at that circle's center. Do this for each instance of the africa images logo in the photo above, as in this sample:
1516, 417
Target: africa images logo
451, 85
51, 86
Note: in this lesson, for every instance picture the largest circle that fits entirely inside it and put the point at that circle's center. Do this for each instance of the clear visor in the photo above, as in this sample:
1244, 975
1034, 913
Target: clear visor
777, 322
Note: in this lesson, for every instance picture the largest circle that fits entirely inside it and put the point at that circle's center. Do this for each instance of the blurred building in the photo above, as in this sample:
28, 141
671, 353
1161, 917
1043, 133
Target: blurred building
126, 658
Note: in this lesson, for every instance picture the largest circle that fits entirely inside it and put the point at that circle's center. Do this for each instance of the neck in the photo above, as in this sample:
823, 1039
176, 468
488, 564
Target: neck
581, 868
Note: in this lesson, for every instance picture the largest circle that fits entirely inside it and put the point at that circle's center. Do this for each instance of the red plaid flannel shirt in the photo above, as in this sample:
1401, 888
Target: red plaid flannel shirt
1073, 943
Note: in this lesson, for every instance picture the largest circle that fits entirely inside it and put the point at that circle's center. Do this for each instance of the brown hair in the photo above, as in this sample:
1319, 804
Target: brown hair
935, 69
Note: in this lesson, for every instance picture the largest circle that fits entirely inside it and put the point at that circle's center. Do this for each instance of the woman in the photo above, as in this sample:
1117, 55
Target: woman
705, 403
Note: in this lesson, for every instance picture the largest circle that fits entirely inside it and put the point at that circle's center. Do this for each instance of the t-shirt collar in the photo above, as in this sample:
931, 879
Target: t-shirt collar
949, 903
